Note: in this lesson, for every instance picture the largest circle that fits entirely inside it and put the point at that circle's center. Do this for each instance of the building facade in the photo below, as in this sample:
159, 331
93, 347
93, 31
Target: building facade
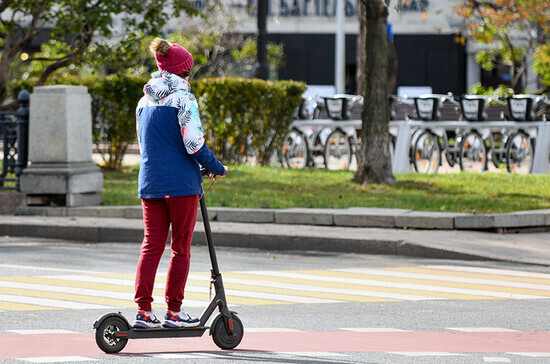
424, 33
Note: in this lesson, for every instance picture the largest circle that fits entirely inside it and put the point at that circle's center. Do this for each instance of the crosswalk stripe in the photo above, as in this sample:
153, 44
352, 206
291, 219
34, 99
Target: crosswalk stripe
510, 279
81, 290
505, 290
125, 294
195, 286
67, 297
191, 292
18, 306
317, 286
428, 290
542, 278
51, 302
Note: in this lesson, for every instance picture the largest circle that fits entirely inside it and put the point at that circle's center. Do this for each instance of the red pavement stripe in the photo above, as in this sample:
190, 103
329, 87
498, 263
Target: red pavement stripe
53, 345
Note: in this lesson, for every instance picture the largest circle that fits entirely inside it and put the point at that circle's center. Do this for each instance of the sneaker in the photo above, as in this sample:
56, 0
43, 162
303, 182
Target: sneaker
180, 319
146, 320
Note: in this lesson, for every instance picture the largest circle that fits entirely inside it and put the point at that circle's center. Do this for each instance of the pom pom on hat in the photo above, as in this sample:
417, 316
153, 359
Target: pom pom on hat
175, 60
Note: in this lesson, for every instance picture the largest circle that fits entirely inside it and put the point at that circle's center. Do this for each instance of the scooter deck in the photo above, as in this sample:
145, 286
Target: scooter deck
161, 332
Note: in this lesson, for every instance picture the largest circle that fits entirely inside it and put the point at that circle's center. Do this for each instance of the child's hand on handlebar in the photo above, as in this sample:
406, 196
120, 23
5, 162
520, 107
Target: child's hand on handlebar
212, 175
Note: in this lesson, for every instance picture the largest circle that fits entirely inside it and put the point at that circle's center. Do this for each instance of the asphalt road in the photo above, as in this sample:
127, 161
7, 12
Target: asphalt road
299, 307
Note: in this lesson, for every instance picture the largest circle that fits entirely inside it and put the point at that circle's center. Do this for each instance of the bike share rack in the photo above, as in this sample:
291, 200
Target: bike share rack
401, 161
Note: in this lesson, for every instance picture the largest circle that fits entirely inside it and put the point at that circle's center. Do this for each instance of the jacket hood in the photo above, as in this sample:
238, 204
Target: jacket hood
163, 84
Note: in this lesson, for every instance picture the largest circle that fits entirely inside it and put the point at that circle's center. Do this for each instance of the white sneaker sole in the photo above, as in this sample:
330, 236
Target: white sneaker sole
174, 324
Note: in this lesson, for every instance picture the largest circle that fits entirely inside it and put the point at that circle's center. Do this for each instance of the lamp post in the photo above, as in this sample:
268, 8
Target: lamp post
340, 49
262, 68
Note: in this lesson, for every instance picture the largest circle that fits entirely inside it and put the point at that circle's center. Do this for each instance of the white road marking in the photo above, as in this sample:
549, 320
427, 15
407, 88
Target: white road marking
425, 353
385, 284
506, 272
435, 277
270, 329
373, 329
197, 289
481, 329
496, 359
51, 302
38, 332
58, 359
533, 355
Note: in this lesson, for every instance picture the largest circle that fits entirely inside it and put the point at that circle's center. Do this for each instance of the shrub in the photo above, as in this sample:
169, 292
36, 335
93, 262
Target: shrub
244, 117
241, 117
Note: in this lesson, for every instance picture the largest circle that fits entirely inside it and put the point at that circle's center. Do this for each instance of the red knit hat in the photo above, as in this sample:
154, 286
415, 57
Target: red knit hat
176, 61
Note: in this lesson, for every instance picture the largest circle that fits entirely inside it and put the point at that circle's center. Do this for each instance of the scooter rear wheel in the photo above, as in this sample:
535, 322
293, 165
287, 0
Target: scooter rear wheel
220, 336
104, 335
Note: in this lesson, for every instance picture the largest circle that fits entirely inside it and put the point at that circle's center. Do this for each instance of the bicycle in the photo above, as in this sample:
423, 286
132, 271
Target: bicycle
521, 146
473, 151
429, 144
295, 151
342, 143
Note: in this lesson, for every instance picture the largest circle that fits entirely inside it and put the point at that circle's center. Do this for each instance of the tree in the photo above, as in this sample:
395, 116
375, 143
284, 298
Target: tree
378, 59
73, 25
516, 29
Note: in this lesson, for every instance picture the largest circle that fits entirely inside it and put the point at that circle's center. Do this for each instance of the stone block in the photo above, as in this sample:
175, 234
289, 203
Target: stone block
10, 202
97, 211
428, 220
305, 216
60, 124
367, 217
133, 212
245, 215
212, 213
517, 219
521, 219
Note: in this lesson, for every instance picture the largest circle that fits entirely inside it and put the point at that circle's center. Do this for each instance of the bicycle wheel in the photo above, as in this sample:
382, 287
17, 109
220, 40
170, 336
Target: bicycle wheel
473, 154
295, 151
426, 153
519, 153
337, 152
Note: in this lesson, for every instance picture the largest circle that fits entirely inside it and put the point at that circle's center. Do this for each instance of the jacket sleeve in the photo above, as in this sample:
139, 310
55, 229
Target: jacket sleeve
208, 160
193, 135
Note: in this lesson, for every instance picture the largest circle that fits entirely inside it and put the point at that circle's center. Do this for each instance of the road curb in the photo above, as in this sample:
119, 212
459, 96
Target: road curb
352, 217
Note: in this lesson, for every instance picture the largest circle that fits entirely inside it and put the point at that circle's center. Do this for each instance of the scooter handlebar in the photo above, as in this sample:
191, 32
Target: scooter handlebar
204, 172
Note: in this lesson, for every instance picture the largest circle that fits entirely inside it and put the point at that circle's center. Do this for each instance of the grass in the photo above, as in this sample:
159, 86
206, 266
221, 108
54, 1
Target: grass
269, 187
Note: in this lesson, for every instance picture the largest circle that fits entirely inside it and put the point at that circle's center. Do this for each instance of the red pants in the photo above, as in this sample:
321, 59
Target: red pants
158, 213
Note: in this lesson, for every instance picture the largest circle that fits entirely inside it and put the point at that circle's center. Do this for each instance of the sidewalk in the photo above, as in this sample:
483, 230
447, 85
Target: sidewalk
354, 230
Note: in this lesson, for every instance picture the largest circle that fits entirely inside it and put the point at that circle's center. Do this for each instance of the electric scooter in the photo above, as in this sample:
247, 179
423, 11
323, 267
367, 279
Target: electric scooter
113, 330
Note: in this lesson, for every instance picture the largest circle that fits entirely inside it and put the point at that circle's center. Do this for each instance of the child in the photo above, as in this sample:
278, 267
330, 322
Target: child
172, 147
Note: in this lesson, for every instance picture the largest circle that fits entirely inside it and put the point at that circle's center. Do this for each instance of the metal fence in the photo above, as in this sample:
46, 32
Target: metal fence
14, 136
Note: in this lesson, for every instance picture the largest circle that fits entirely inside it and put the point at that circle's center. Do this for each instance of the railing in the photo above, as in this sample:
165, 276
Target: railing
403, 129
14, 134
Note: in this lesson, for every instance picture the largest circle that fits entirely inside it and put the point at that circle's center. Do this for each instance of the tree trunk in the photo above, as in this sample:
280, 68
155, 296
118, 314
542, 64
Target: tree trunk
361, 55
375, 165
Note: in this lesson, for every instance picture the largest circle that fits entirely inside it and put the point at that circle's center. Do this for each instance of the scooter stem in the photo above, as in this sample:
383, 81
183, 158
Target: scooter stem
208, 232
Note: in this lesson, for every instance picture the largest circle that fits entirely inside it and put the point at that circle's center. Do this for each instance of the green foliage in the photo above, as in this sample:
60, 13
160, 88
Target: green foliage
244, 117
515, 29
74, 25
241, 117
501, 90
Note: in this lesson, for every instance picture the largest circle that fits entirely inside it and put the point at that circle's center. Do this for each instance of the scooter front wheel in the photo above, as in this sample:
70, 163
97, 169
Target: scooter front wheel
221, 337
105, 338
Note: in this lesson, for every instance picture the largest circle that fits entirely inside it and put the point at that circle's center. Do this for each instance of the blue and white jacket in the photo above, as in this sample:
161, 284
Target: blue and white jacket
171, 139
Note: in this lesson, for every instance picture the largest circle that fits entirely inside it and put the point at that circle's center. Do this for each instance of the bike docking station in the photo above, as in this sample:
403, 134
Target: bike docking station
113, 330
421, 137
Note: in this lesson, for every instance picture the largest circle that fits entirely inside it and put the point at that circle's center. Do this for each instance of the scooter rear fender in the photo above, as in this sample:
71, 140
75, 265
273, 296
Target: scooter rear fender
98, 322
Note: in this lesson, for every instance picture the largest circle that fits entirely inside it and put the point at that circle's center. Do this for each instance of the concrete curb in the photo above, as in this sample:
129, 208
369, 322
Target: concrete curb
351, 217
274, 237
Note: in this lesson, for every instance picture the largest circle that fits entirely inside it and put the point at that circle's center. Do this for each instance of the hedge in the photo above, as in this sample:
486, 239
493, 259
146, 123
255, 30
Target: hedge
241, 117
